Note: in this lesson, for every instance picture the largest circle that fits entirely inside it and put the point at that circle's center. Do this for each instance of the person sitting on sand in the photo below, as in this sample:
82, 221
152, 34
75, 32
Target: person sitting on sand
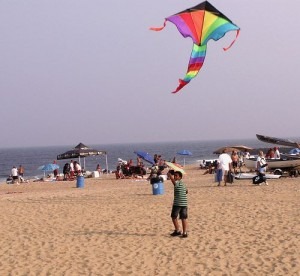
119, 173
66, 171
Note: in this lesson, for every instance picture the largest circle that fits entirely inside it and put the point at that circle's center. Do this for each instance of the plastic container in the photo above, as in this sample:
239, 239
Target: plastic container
95, 174
158, 188
80, 182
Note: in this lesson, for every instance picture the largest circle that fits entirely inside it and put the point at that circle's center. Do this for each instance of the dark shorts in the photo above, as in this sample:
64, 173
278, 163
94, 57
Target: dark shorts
182, 211
15, 177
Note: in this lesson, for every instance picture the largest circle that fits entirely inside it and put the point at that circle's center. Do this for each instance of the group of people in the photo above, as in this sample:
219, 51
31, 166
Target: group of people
17, 175
273, 153
127, 169
226, 164
71, 170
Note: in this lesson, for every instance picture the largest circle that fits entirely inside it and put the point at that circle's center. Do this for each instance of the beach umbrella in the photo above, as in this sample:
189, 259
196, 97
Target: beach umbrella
294, 151
175, 167
48, 168
184, 153
145, 156
81, 150
232, 148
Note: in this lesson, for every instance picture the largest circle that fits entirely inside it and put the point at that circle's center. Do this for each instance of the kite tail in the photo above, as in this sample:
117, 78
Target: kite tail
195, 64
237, 34
160, 28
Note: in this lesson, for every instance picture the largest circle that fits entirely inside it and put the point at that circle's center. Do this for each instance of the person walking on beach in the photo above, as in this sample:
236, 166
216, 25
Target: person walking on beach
225, 162
219, 173
180, 204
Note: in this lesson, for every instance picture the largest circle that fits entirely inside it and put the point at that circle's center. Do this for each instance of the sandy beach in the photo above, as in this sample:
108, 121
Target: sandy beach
118, 227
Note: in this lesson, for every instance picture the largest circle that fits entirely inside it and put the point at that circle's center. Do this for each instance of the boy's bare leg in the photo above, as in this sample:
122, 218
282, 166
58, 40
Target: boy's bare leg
184, 226
176, 225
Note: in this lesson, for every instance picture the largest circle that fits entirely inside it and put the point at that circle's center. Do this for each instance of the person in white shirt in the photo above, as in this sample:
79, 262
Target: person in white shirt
247, 154
277, 153
261, 166
77, 168
15, 175
72, 169
225, 163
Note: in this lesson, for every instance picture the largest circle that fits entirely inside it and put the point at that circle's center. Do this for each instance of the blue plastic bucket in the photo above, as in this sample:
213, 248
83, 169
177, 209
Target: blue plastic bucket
80, 182
158, 188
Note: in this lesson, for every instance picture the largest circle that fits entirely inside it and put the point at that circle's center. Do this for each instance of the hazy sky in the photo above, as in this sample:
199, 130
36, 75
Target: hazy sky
91, 71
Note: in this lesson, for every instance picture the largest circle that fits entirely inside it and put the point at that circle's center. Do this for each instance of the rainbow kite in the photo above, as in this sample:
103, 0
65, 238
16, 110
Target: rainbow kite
201, 23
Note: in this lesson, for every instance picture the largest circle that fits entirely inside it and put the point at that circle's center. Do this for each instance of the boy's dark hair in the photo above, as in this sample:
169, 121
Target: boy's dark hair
171, 172
179, 173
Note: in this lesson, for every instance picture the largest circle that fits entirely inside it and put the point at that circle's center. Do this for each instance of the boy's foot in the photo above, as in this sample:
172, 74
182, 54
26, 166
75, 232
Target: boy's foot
175, 233
184, 235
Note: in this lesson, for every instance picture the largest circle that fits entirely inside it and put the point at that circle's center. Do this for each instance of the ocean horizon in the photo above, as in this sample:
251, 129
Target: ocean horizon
31, 158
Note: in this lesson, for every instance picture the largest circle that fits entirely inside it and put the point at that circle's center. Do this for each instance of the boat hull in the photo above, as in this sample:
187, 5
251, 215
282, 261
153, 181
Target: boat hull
278, 141
274, 163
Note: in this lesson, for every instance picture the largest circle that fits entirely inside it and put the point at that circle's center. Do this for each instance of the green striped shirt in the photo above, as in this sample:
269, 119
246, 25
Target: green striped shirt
180, 196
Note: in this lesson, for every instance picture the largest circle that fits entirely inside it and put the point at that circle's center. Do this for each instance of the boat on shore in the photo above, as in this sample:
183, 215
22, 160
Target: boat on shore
273, 164
278, 141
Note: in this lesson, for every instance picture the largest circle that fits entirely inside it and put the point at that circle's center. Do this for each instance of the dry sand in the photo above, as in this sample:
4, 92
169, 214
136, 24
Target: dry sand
118, 227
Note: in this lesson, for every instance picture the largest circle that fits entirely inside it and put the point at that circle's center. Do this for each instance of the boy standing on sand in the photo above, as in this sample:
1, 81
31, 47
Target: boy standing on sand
180, 204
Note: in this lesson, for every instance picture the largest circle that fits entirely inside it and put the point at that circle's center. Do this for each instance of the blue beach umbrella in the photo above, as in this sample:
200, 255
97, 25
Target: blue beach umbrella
48, 167
145, 156
294, 151
184, 153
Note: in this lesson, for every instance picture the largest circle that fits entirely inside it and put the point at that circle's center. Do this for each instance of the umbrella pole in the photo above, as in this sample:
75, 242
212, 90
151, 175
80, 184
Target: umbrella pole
106, 163
183, 161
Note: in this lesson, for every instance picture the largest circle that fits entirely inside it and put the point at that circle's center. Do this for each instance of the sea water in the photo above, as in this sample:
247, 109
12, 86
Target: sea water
32, 158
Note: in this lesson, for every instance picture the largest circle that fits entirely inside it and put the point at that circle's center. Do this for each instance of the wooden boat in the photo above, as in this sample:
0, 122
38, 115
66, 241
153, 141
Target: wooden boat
278, 141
